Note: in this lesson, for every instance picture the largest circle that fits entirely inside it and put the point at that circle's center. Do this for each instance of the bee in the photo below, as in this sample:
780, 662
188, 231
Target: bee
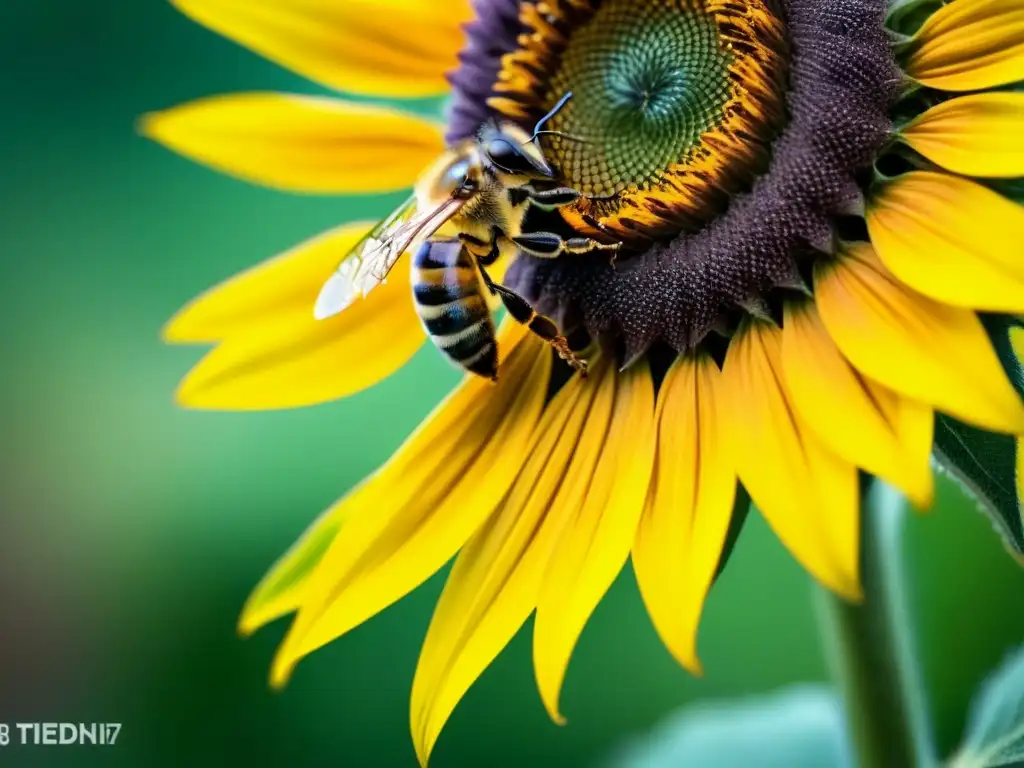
483, 187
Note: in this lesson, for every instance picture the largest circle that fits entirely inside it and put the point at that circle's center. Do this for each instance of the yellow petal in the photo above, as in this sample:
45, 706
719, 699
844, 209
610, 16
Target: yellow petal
284, 287
300, 143
494, 584
275, 354
299, 361
280, 591
806, 492
596, 542
684, 525
415, 513
930, 352
969, 45
951, 239
399, 48
976, 135
861, 421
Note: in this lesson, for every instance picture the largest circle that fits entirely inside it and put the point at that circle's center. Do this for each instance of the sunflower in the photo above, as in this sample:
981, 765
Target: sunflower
814, 202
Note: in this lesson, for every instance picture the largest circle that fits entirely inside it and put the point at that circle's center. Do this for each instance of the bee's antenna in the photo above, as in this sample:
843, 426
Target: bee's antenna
554, 111
568, 136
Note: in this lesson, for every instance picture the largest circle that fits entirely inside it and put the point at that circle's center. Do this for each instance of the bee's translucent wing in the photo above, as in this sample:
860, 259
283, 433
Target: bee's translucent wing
367, 265
353, 277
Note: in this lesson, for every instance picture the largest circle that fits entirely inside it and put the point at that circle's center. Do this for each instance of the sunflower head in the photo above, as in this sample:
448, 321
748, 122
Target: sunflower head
721, 141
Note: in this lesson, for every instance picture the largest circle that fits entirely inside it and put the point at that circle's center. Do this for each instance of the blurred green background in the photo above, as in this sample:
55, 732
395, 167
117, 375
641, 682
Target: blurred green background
133, 530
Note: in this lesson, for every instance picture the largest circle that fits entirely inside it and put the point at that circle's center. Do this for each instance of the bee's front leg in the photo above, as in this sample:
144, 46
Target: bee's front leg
548, 245
550, 199
558, 197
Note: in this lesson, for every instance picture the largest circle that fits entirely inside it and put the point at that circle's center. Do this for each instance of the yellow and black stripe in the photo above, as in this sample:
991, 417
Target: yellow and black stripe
449, 298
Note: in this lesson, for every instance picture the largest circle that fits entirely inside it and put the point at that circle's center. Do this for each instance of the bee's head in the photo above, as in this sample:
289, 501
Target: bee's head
510, 152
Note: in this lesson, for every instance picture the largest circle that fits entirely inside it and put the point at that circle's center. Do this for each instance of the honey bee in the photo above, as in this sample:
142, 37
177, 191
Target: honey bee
484, 187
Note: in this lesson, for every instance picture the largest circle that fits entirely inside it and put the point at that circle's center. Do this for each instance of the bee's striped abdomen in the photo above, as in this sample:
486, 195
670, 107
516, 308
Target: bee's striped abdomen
450, 301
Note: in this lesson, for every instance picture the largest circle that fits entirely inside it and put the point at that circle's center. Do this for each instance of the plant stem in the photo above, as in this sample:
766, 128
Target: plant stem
871, 649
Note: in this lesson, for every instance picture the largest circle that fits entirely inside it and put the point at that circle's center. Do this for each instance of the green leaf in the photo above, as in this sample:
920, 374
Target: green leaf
800, 727
1011, 188
985, 466
999, 328
995, 727
905, 17
985, 463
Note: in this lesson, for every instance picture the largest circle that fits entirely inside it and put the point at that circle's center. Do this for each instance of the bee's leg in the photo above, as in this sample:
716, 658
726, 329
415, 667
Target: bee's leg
597, 225
587, 218
548, 245
476, 246
557, 197
541, 325
560, 197
550, 199
486, 252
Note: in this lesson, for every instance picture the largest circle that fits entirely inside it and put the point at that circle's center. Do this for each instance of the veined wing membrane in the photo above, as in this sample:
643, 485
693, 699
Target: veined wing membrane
367, 265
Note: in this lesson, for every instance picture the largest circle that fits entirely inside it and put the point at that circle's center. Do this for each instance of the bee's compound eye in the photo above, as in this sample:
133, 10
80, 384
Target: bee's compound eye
503, 154
457, 175
514, 159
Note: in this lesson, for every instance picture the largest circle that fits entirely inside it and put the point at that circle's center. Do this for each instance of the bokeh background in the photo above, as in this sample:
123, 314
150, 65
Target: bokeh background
132, 530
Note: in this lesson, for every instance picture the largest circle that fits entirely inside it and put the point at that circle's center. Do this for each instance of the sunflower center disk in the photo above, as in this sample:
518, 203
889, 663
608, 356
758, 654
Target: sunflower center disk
675, 104
639, 104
